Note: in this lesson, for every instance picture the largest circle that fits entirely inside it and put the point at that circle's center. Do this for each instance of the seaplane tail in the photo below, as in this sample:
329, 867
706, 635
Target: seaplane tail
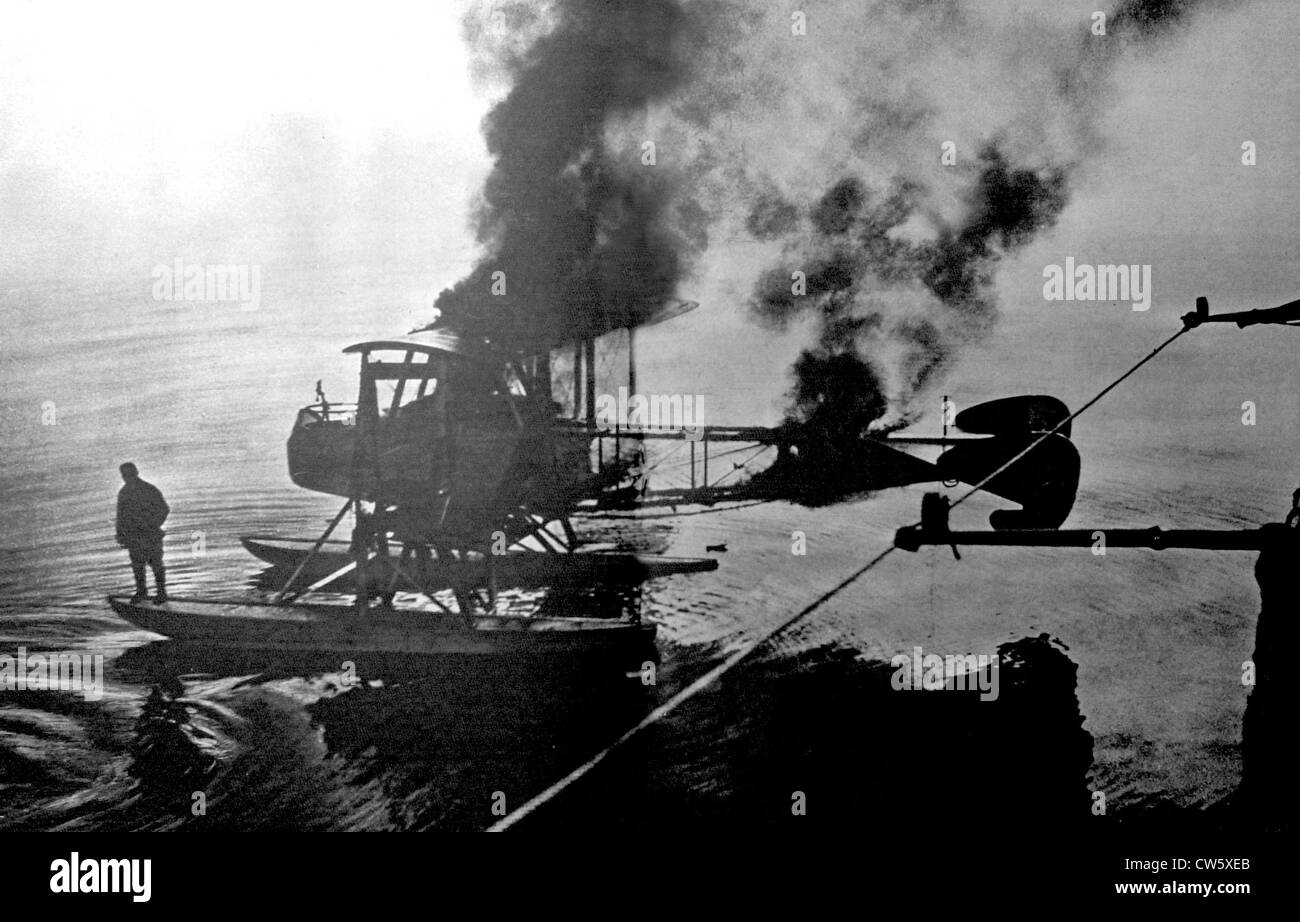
1044, 481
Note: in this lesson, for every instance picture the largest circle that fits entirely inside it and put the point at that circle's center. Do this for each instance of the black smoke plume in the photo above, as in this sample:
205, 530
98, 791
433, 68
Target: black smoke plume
818, 147
580, 230
853, 265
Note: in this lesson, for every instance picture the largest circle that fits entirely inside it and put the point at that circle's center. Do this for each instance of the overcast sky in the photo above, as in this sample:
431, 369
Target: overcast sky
129, 123
127, 131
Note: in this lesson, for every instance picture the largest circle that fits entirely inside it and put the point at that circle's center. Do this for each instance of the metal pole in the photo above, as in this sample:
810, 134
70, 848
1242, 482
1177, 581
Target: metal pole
577, 380
590, 370
360, 551
631, 360
1246, 539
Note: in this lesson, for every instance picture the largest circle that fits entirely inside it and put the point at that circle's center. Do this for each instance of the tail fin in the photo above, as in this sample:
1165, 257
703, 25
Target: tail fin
1044, 482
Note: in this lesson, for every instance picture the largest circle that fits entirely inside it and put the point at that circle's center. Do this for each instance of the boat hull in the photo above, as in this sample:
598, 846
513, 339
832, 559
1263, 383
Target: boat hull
338, 629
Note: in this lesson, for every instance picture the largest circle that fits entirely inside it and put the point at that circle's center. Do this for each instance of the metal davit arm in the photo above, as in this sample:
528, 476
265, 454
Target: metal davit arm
1286, 315
933, 529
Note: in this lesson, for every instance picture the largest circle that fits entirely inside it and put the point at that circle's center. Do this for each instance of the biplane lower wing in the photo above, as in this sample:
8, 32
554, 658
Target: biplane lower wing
516, 569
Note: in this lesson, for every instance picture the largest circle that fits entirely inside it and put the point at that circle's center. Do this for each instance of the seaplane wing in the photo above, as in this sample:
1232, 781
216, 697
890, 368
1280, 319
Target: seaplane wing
516, 569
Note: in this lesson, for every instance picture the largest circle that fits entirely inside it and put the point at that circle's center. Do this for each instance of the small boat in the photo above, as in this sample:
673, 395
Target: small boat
334, 628
519, 569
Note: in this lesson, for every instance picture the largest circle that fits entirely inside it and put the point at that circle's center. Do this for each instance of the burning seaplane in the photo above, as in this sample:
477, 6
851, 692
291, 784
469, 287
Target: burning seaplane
463, 474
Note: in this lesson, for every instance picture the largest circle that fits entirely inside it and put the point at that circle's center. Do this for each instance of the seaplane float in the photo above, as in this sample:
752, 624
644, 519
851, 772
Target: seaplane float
462, 474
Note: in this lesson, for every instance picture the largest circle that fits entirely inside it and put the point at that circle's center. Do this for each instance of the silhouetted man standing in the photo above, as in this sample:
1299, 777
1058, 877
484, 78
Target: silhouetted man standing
141, 511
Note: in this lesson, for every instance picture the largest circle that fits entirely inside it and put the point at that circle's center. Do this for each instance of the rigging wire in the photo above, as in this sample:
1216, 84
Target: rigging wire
1065, 422
738, 467
687, 462
676, 700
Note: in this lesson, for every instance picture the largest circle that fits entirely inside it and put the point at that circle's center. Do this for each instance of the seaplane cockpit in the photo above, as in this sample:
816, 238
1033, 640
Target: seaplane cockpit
445, 432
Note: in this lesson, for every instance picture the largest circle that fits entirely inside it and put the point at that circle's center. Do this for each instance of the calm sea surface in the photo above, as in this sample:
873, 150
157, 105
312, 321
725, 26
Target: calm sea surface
202, 396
